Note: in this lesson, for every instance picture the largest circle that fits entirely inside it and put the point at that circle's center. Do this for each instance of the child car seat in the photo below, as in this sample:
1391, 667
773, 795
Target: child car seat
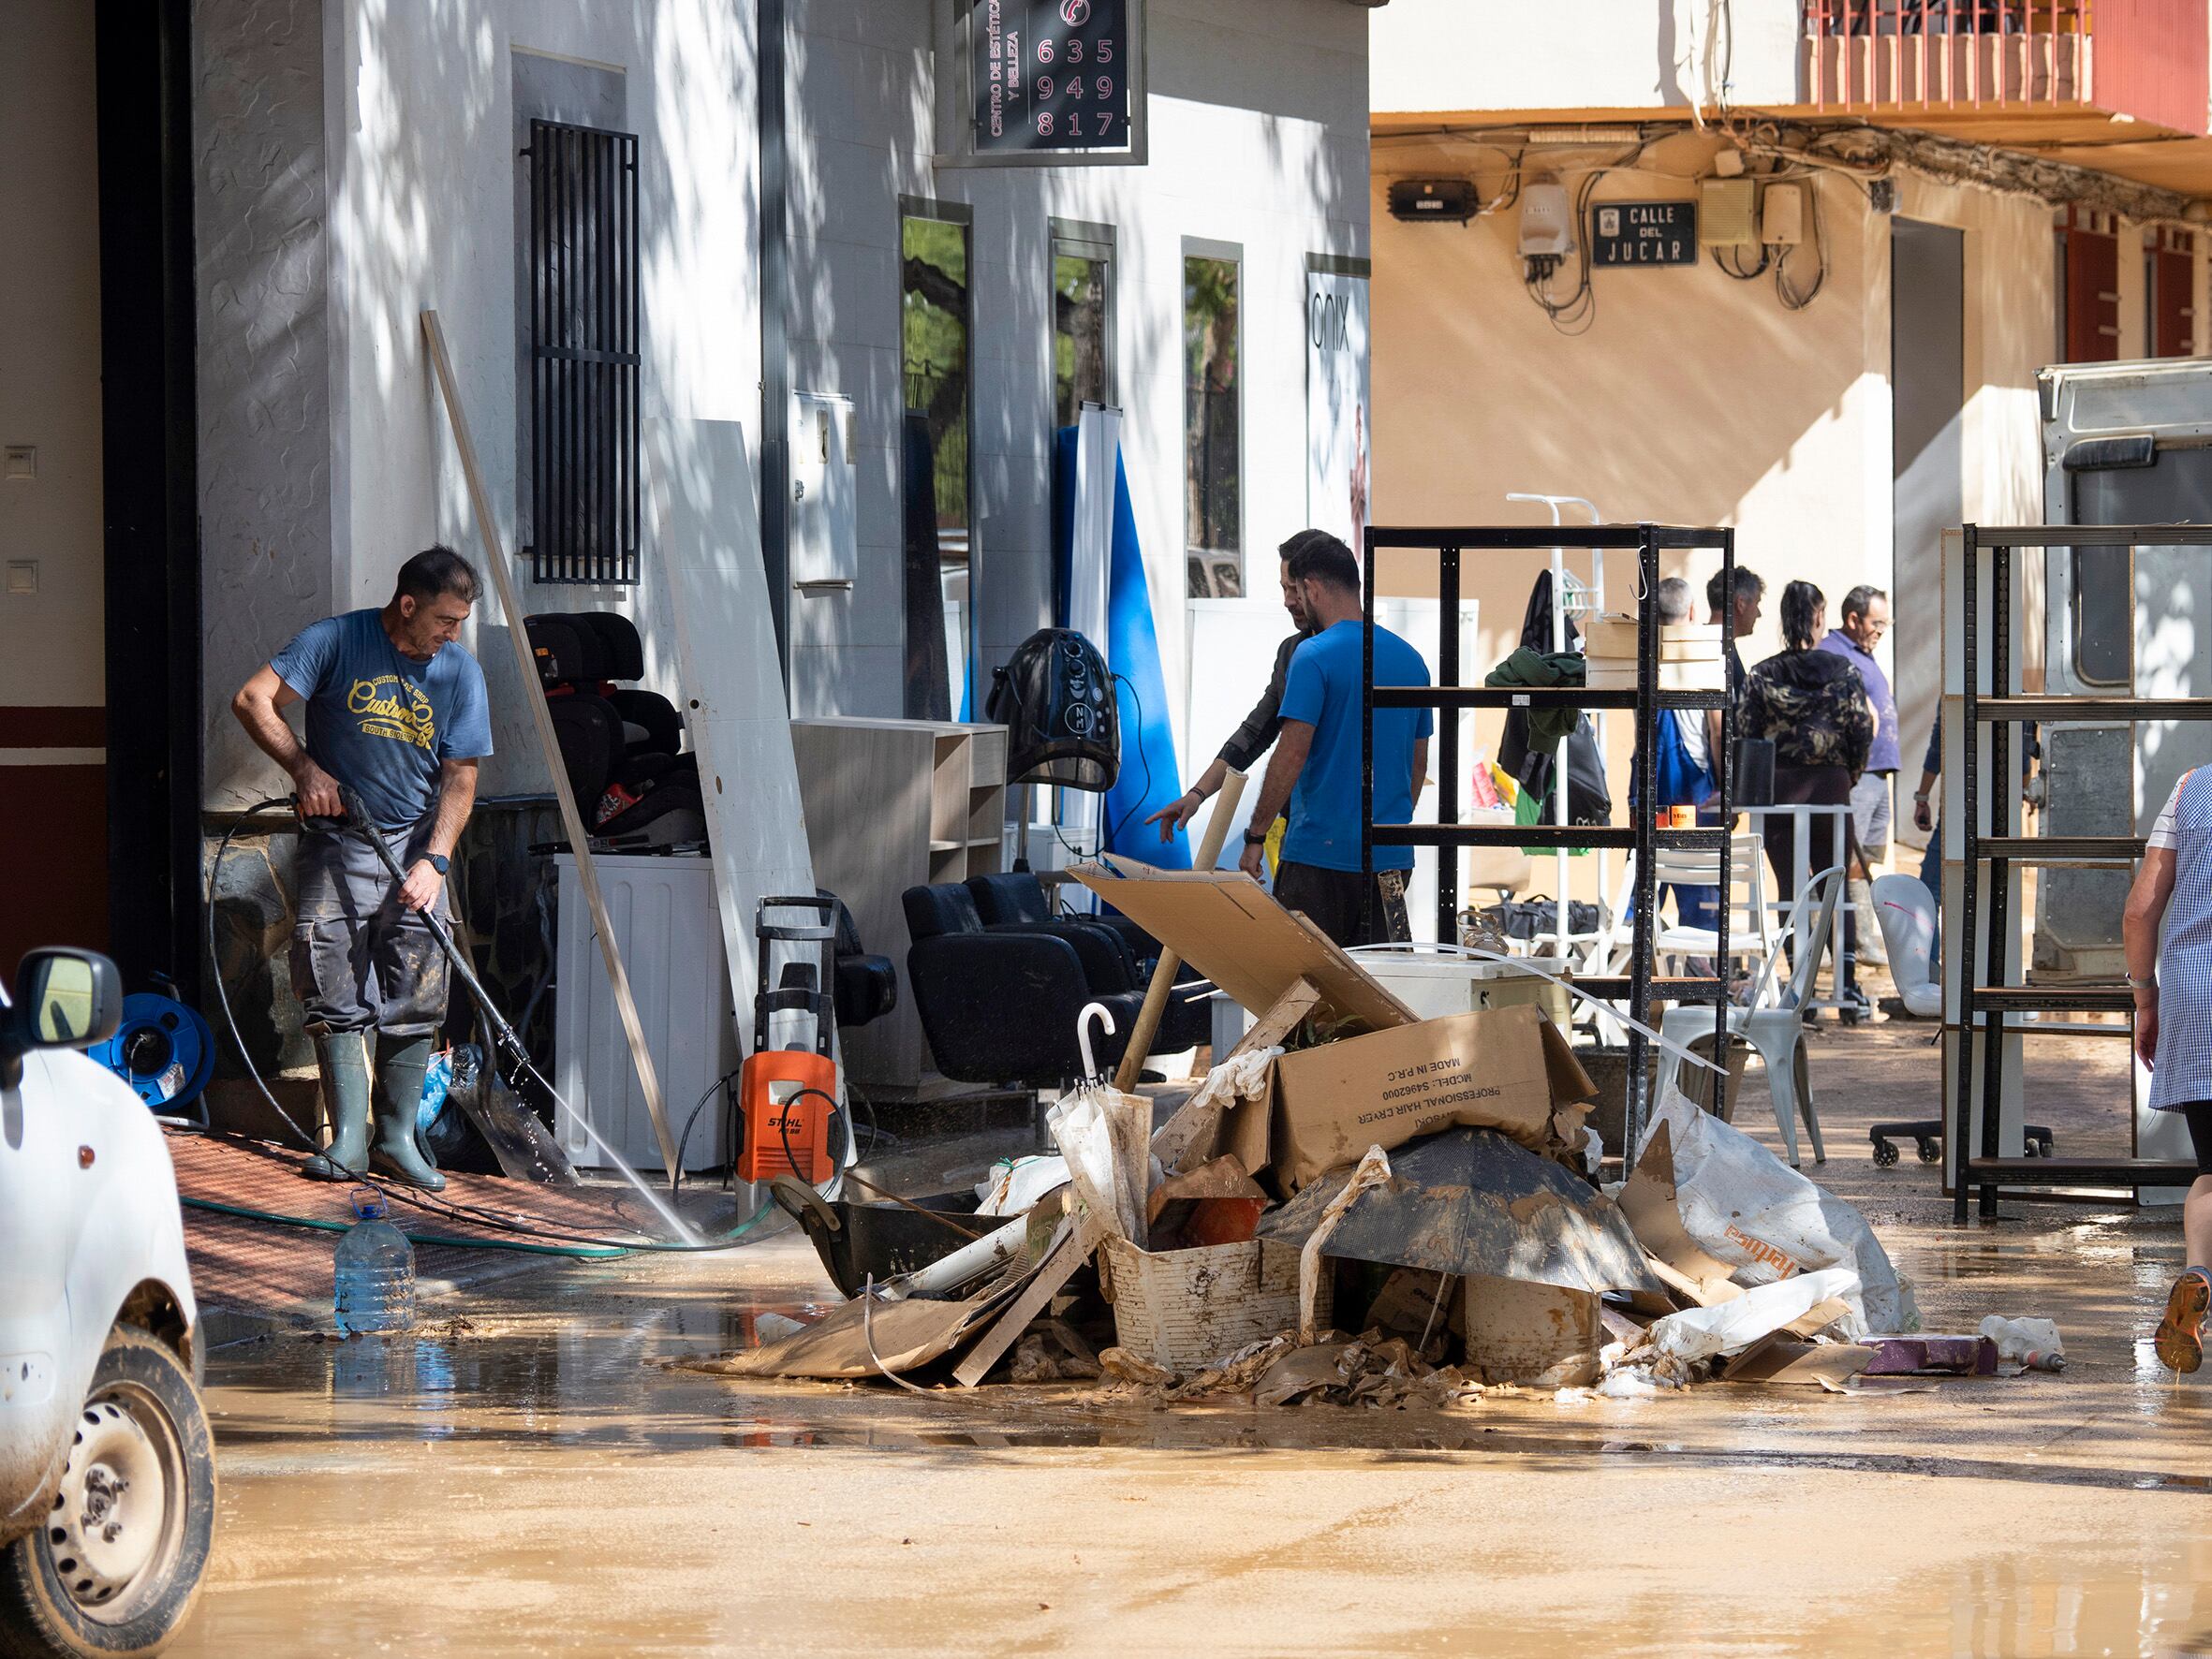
621, 746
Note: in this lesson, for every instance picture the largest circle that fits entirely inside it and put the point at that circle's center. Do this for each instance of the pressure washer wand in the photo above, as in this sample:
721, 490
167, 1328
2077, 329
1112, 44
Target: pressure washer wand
357, 819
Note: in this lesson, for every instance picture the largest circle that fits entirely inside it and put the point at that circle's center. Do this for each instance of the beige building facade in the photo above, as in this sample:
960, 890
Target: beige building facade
1838, 397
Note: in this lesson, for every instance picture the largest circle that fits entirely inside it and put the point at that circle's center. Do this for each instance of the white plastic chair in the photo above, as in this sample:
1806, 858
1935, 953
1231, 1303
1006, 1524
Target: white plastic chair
1750, 920
1776, 1033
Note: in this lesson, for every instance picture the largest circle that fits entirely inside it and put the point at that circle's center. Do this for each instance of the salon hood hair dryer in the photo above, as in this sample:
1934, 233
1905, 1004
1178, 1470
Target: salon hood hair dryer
1056, 698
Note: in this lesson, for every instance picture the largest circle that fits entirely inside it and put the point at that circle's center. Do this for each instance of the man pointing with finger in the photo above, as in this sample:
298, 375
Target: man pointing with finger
397, 712
1251, 740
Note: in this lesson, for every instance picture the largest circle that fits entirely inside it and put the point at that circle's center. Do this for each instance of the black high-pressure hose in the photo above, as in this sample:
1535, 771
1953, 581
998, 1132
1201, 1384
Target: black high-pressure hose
503, 1033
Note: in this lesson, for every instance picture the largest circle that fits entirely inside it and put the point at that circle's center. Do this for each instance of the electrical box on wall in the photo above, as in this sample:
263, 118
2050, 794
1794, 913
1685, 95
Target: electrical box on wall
824, 520
1449, 201
1781, 215
1728, 213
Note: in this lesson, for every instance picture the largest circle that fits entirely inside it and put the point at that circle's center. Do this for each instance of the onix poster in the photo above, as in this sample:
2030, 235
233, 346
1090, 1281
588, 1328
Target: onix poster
1340, 440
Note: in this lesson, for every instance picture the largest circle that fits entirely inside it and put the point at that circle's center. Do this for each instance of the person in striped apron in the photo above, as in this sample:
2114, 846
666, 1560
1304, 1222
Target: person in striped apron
2168, 932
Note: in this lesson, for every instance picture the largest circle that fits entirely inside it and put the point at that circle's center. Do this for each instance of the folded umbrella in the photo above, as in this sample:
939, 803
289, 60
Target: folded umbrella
1472, 1201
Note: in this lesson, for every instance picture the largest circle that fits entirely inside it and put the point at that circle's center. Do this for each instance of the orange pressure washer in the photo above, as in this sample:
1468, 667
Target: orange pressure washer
786, 1095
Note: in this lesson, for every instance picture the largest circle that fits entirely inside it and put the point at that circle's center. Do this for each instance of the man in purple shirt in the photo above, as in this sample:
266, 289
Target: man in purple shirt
1865, 620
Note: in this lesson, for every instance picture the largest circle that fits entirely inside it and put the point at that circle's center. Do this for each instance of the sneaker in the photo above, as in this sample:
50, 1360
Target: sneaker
2180, 1340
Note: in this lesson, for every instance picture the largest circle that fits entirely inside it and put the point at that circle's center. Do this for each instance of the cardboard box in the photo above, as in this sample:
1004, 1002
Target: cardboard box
1619, 674
1617, 638
1496, 1069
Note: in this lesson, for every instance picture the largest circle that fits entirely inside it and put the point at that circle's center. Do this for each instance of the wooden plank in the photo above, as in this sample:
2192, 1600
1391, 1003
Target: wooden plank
587, 872
1163, 973
1057, 1268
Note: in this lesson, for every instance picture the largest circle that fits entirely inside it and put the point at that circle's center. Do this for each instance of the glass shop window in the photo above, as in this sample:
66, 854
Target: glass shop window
937, 360
1083, 322
1213, 421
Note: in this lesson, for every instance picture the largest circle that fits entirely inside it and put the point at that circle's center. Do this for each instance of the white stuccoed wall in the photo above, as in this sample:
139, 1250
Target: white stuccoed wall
359, 167
1582, 55
356, 165
1259, 138
265, 352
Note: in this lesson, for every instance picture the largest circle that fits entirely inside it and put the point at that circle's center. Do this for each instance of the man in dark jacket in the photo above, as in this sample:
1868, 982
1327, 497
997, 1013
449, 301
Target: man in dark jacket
1257, 735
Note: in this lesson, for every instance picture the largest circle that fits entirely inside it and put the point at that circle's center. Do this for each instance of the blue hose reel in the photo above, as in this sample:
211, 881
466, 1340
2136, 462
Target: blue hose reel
164, 1049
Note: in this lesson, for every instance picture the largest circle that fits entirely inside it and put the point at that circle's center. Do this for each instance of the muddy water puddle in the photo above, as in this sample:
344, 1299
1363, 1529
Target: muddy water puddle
535, 1479
550, 1384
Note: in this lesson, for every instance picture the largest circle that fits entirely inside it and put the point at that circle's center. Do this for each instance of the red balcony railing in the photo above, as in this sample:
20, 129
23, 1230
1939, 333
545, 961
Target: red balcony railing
1870, 56
2141, 58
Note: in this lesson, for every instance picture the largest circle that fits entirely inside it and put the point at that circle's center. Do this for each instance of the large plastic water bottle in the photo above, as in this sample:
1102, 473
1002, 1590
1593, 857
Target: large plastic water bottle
375, 1278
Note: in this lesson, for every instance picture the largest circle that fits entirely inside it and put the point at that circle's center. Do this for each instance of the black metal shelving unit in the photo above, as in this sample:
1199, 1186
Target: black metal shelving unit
1642, 835
1993, 1000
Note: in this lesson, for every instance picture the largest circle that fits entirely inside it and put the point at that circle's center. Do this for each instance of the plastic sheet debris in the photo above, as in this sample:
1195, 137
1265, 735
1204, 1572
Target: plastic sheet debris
1731, 1327
2030, 1343
1013, 1187
1373, 1172
1106, 1167
1744, 1207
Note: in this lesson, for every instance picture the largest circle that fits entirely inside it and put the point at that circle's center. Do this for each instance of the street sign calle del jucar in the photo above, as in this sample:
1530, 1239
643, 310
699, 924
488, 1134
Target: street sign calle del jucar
1644, 233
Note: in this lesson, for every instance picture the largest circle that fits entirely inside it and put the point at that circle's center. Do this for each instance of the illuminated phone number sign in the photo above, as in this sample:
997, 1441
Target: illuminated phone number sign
1052, 74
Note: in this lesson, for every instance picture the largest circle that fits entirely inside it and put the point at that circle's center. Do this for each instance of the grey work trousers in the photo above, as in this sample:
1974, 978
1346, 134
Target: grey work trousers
360, 960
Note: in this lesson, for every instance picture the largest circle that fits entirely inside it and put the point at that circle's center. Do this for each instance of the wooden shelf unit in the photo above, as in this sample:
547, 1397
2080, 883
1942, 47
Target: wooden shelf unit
891, 804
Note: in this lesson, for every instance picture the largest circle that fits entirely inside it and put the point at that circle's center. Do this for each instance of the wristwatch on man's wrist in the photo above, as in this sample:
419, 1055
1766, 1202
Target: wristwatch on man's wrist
437, 861
1255, 838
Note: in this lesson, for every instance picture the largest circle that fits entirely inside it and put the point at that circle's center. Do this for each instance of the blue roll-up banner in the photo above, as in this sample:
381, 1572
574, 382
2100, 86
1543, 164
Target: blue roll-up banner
1149, 778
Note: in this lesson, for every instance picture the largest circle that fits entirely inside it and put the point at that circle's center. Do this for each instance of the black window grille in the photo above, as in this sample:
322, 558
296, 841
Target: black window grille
584, 354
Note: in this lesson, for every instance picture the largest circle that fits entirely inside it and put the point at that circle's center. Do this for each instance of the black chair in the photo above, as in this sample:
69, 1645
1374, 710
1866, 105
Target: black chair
864, 986
1000, 1004
1015, 902
1016, 898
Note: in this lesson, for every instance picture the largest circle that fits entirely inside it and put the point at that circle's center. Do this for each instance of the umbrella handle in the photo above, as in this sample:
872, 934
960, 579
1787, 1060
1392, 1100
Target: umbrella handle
1083, 1036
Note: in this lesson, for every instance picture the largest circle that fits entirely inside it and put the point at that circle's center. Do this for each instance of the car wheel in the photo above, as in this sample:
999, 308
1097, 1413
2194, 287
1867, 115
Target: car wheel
119, 1560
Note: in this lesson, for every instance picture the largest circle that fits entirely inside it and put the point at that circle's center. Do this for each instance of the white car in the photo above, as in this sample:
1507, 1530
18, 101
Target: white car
106, 1468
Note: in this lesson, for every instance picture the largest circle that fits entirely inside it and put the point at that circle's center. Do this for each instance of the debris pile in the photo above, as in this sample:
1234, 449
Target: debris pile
1350, 1169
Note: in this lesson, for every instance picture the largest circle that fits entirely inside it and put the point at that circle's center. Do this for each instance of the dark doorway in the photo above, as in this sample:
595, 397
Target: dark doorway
1927, 394
149, 453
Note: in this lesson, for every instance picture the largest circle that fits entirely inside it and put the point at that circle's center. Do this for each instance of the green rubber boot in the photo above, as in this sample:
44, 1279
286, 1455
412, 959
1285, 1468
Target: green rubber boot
398, 1097
342, 1057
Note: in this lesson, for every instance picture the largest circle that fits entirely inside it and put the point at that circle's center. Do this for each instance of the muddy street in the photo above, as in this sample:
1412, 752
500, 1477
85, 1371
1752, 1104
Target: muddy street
524, 1474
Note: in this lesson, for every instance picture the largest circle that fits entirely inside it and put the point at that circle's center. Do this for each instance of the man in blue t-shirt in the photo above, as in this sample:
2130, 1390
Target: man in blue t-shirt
396, 712
1316, 768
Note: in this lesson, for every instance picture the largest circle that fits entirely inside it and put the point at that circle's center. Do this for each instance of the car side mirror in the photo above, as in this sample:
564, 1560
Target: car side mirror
64, 999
